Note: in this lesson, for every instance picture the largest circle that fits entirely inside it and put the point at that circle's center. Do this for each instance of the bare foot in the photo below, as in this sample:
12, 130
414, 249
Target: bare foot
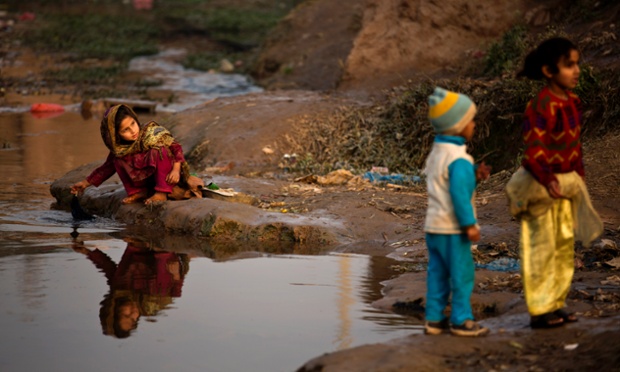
134, 198
157, 198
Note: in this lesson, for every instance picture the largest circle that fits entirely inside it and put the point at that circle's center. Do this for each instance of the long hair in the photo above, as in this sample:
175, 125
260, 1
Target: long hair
548, 53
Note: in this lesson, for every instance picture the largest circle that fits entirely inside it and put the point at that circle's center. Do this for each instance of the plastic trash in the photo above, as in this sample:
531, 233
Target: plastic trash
47, 107
501, 264
391, 178
46, 110
27, 16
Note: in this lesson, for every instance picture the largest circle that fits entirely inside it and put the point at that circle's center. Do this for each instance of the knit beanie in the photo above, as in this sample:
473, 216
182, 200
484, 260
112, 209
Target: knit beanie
449, 112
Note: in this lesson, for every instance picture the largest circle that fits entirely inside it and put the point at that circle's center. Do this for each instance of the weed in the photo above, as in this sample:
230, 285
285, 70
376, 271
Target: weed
287, 69
116, 37
84, 75
206, 61
503, 56
148, 83
238, 27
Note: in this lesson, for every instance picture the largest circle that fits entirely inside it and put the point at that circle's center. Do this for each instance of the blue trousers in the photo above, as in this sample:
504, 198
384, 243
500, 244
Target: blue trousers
450, 272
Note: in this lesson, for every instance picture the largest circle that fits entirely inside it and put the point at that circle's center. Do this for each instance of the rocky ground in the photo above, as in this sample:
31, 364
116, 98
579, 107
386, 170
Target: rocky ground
237, 143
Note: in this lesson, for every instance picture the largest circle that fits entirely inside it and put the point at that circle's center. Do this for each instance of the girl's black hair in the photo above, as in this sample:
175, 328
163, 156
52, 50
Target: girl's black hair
548, 53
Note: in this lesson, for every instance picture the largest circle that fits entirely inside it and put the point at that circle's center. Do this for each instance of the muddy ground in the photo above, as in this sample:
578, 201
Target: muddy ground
226, 141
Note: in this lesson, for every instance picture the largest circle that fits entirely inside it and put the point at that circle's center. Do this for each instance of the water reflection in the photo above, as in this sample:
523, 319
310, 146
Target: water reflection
345, 302
144, 282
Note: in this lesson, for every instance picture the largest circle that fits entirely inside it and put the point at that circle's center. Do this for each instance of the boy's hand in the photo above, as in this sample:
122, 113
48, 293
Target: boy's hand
483, 172
79, 187
175, 174
473, 233
554, 189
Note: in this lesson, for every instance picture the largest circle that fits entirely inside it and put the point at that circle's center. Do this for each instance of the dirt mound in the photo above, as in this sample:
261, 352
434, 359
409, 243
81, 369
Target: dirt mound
308, 49
407, 38
375, 44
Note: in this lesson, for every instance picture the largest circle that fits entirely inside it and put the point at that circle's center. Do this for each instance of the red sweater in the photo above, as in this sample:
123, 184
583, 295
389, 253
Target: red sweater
551, 133
141, 270
129, 162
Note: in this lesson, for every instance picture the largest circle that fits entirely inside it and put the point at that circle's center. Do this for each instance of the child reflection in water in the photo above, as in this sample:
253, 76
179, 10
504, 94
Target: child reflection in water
144, 282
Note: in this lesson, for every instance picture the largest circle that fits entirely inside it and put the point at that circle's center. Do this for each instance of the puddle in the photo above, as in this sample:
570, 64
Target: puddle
184, 308
265, 313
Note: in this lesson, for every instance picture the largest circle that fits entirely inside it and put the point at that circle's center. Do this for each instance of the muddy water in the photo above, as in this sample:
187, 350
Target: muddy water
187, 87
105, 300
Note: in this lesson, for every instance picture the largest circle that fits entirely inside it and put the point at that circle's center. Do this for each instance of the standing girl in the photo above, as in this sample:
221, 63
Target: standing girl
147, 158
552, 165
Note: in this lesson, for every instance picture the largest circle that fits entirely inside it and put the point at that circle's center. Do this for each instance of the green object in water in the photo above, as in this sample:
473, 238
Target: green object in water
212, 186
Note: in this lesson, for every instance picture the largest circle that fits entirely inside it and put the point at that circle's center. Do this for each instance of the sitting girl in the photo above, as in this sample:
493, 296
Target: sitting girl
147, 158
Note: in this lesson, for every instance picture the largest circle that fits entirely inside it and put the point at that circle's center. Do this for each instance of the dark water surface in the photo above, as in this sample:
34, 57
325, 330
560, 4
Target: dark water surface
108, 301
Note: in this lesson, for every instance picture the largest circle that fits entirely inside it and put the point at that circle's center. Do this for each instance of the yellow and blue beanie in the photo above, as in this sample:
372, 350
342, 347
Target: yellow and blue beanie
449, 112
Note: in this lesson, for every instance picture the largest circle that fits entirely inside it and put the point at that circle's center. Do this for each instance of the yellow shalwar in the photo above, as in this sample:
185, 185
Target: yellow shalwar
549, 228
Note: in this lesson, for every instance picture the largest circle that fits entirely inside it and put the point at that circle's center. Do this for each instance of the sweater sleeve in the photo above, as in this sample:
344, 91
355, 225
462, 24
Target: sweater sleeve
103, 262
103, 172
462, 186
177, 152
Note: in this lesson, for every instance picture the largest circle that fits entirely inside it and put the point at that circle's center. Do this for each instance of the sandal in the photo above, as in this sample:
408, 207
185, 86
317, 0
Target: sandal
566, 316
469, 328
436, 328
548, 320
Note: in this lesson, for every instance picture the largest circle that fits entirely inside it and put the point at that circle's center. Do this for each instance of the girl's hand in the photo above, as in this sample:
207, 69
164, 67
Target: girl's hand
473, 233
175, 174
554, 189
483, 172
79, 187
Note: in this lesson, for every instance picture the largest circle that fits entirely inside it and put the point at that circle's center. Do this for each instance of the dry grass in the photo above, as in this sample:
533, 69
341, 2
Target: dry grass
397, 134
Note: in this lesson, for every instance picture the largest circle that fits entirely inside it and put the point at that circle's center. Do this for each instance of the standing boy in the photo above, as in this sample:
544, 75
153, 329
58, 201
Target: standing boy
450, 224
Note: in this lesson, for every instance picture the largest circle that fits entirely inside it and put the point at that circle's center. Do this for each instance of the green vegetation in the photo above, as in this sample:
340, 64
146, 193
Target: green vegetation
206, 61
503, 56
84, 75
245, 28
238, 28
113, 30
115, 37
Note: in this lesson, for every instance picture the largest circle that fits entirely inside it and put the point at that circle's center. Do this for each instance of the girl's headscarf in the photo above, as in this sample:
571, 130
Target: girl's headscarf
151, 135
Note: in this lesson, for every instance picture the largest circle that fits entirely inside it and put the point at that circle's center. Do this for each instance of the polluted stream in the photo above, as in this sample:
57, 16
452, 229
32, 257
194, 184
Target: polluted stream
93, 296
